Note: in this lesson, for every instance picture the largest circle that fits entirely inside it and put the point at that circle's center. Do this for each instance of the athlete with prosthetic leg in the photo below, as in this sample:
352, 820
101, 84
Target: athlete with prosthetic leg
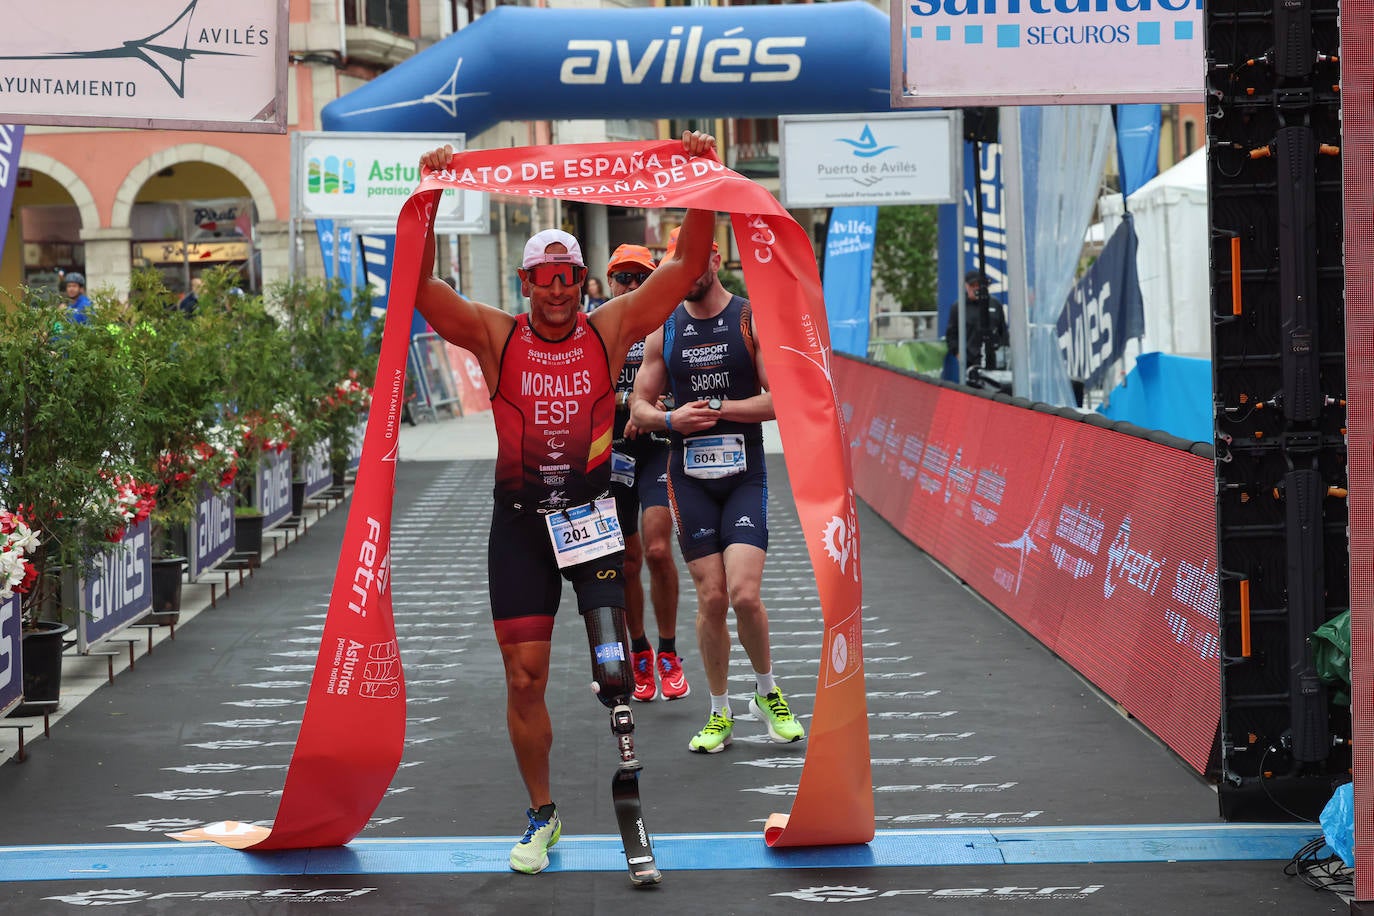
550, 375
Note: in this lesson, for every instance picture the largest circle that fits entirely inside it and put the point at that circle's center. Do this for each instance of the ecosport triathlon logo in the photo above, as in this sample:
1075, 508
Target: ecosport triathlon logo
969, 28
167, 50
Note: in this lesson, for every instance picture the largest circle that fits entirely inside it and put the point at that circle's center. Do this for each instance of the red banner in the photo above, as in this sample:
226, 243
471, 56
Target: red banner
467, 378
336, 780
1100, 544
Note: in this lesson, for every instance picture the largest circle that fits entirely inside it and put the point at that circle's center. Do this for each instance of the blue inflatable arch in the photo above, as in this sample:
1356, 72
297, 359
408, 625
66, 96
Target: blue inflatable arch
518, 64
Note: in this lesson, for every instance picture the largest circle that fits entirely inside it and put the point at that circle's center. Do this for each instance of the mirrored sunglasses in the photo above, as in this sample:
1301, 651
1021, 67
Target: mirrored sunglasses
545, 274
626, 277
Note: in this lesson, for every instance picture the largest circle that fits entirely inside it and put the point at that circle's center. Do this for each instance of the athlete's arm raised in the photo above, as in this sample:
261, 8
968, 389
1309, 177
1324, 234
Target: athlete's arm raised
629, 317
459, 320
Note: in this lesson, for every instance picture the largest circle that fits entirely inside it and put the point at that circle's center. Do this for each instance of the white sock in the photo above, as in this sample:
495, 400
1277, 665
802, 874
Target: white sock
721, 704
766, 683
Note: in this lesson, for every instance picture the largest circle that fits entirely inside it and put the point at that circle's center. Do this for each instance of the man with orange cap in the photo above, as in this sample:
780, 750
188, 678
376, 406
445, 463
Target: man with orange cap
639, 480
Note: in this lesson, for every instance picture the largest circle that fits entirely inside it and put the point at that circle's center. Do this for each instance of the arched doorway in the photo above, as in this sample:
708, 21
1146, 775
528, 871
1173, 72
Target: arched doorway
51, 207
189, 217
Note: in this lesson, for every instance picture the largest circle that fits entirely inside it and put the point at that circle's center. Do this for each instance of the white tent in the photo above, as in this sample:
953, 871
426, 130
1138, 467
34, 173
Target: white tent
1171, 223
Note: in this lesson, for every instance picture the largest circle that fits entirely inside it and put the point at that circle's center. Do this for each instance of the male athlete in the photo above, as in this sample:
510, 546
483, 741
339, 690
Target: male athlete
707, 355
550, 373
639, 481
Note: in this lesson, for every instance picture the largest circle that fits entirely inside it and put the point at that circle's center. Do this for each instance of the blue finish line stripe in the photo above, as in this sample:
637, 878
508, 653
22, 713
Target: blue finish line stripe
675, 852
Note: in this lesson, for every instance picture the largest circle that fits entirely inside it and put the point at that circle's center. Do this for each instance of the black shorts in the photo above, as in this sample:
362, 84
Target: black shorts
650, 486
710, 515
525, 583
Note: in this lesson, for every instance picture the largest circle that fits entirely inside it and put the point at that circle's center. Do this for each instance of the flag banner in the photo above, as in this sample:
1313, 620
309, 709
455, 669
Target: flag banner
849, 276
1103, 311
335, 781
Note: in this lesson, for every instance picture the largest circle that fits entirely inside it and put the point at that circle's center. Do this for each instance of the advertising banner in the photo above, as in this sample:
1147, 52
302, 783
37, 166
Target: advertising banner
1103, 311
467, 375
832, 161
116, 588
221, 218
1100, 545
367, 176
211, 531
848, 279
318, 474
166, 64
355, 444
1070, 52
11, 657
273, 490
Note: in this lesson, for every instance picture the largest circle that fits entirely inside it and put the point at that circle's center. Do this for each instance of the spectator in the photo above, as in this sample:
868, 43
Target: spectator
74, 285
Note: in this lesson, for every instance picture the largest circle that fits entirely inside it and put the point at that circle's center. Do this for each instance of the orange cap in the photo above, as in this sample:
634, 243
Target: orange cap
626, 255
672, 241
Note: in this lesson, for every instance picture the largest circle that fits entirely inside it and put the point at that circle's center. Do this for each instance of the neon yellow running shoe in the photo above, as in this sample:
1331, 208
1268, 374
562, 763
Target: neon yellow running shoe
783, 727
531, 854
715, 737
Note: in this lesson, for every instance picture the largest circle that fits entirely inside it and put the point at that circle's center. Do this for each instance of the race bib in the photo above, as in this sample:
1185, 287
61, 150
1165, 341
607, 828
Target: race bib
585, 532
713, 457
622, 469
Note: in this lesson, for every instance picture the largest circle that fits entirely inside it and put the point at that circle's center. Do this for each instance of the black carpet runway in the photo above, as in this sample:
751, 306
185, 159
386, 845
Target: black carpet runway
1003, 783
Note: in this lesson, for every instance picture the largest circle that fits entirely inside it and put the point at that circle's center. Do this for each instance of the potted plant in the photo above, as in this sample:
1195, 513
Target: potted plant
179, 365
66, 399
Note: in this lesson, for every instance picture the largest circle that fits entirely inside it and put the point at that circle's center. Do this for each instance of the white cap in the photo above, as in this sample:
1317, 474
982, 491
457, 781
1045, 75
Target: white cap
535, 254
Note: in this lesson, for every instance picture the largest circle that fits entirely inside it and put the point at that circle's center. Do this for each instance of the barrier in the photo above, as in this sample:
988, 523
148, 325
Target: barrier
1099, 542
115, 588
433, 379
11, 677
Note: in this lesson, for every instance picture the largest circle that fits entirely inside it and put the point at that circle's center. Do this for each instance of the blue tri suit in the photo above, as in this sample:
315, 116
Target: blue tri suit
714, 358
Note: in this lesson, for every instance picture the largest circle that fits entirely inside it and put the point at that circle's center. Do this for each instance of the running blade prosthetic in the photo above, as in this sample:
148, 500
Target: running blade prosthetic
639, 852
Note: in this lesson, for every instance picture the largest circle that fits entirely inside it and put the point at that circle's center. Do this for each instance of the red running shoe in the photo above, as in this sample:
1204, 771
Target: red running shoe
643, 665
675, 685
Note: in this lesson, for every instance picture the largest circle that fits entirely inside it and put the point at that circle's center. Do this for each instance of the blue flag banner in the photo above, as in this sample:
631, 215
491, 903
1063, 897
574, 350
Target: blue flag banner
11, 139
1103, 311
339, 249
988, 180
1137, 140
848, 281
11, 675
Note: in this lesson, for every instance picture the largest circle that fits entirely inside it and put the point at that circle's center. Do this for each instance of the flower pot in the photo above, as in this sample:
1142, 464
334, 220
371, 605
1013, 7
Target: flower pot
297, 498
166, 590
41, 649
248, 534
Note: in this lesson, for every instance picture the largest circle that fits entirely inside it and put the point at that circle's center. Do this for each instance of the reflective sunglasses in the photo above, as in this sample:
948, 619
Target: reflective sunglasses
545, 274
625, 277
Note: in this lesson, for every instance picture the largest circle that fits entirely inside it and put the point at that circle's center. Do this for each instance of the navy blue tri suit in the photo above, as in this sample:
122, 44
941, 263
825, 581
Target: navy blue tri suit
717, 478
639, 468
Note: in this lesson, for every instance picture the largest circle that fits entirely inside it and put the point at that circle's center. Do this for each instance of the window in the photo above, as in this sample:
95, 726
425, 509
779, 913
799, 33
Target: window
389, 15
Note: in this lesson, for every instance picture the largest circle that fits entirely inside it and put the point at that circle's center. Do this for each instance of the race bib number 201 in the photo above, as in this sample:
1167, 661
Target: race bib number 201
585, 532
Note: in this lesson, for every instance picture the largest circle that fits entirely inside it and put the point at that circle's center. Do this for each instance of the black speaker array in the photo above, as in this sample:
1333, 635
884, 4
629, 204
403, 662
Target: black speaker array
1278, 370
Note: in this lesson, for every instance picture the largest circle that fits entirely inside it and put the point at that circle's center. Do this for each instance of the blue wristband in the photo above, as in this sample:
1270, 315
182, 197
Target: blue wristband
668, 420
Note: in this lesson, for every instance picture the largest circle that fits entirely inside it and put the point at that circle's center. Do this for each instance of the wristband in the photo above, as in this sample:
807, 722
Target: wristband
668, 420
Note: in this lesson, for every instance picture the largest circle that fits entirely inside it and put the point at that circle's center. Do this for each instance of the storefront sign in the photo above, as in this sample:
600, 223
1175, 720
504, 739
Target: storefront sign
832, 161
11, 673
170, 64
273, 488
1067, 52
195, 252
116, 589
212, 531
